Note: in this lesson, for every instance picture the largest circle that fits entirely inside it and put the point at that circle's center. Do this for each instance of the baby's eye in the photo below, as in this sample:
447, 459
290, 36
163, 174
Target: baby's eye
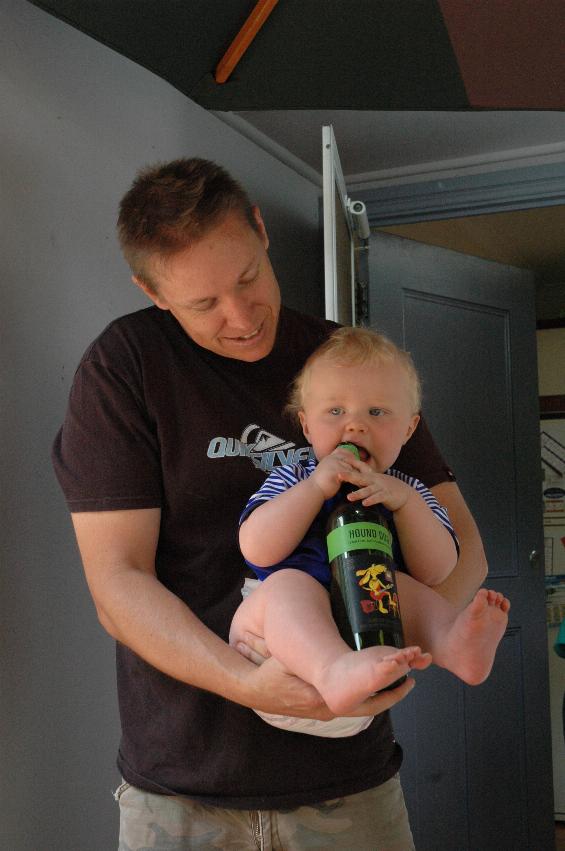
336, 411
376, 412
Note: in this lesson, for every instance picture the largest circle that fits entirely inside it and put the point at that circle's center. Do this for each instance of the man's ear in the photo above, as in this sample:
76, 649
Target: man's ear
150, 293
260, 225
411, 428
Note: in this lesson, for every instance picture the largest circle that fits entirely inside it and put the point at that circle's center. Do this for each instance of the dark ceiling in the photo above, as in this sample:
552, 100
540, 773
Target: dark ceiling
339, 54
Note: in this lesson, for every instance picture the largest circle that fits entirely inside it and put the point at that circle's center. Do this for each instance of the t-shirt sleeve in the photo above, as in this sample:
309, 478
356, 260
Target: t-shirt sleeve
421, 458
106, 454
279, 480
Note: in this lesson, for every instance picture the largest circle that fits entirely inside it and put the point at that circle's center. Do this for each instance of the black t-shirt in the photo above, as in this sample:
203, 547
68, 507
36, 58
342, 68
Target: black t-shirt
154, 420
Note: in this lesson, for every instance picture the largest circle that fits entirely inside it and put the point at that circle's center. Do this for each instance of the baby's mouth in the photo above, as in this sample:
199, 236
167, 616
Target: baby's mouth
362, 452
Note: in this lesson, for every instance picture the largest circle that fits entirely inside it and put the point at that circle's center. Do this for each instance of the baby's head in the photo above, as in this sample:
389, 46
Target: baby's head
358, 387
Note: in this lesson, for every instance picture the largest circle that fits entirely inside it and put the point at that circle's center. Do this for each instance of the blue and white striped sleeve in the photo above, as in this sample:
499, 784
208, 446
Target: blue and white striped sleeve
439, 511
278, 481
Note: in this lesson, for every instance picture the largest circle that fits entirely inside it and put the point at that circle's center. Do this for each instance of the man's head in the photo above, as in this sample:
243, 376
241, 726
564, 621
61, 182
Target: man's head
198, 248
358, 387
171, 206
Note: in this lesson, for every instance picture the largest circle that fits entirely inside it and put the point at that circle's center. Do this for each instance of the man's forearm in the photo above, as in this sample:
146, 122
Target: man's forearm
138, 611
118, 551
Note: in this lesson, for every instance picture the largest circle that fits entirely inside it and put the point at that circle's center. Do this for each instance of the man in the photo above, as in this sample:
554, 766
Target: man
174, 419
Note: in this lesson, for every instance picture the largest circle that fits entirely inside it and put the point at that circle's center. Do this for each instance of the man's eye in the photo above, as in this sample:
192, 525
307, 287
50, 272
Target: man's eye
376, 412
203, 306
246, 281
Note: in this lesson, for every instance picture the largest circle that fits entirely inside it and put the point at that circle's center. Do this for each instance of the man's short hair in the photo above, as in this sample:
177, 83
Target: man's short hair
351, 347
170, 206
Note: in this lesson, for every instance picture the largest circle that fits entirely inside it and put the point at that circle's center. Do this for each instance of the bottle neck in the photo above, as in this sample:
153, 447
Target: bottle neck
347, 488
377, 510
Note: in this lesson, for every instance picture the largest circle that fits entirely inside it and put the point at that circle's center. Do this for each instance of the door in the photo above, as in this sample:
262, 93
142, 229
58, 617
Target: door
339, 265
477, 769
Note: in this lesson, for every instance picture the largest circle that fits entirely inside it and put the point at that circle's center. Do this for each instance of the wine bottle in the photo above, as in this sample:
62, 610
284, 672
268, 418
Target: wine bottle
364, 595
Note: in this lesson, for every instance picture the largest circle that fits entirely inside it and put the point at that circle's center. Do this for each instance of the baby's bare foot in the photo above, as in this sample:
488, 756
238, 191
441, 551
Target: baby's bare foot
470, 646
357, 674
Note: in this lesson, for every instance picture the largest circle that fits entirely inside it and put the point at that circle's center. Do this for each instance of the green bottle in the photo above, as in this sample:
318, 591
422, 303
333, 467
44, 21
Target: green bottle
363, 589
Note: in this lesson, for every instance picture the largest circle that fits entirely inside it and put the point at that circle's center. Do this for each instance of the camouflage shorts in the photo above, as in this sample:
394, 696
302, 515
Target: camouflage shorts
375, 820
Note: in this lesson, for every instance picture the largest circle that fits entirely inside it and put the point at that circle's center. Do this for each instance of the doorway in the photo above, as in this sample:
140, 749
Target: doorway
532, 239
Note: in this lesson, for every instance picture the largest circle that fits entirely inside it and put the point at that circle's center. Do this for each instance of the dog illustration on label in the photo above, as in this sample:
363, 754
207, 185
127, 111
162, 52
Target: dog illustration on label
377, 580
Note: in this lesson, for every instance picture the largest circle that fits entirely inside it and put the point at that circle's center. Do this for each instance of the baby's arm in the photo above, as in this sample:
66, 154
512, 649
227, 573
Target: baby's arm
427, 546
275, 528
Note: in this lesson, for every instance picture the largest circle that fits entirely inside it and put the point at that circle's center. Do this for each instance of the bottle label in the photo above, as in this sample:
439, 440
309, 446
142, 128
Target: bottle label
359, 536
369, 591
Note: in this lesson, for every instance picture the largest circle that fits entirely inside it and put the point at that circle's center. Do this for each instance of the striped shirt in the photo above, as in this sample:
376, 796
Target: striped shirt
311, 554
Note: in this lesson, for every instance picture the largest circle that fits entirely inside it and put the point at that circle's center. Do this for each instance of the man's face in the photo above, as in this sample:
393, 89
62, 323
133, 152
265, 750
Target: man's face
223, 290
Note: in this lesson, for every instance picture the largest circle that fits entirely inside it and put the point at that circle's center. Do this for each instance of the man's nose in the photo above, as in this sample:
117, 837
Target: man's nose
238, 312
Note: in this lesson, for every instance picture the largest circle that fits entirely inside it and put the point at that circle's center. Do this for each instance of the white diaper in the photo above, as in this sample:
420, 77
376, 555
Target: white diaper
337, 728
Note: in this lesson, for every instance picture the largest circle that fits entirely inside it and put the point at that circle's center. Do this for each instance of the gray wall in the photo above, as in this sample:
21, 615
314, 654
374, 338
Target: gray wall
76, 122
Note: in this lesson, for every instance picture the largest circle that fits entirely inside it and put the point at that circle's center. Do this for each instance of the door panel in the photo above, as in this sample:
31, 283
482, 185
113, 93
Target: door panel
477, 769
469, 355
496, 758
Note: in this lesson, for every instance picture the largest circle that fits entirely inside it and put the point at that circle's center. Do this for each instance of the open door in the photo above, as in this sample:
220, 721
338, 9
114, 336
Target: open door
345, 225
477, 769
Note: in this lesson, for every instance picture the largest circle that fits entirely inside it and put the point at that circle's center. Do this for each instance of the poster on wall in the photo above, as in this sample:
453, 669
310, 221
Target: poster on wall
553, 492
553, 468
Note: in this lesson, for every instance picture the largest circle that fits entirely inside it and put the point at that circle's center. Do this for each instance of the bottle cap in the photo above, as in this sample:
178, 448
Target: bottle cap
350, 448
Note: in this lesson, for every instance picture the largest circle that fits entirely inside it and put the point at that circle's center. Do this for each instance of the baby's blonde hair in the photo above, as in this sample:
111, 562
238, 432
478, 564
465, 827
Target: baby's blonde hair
354, 346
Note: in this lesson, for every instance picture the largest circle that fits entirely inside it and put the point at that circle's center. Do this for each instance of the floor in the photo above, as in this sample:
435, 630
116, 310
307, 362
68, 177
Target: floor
560, 836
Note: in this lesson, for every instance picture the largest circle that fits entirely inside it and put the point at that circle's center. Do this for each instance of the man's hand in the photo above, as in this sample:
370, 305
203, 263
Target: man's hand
297, 698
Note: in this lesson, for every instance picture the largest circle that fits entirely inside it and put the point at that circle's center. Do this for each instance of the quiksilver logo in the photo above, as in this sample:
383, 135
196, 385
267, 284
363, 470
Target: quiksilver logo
265, 450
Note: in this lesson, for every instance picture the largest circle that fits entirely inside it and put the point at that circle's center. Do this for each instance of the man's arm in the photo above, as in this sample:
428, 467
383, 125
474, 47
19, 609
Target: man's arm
471, 568
118, 552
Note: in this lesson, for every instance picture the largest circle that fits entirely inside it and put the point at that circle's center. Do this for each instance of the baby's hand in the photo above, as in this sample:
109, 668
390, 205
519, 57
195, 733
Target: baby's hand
376, 487
332, 471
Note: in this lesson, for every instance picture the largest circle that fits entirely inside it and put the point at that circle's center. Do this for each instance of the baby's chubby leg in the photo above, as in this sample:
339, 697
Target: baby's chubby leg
464, 642
249, 617
470, 645
291, 610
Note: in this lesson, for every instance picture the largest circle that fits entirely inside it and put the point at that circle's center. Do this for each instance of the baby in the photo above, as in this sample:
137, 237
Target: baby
358, 388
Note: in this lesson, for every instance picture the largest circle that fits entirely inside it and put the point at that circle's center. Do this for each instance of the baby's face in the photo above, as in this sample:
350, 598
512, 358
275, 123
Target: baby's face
368, 405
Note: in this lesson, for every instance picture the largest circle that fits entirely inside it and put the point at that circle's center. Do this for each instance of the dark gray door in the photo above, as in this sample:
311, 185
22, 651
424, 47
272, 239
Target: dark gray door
477, 770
